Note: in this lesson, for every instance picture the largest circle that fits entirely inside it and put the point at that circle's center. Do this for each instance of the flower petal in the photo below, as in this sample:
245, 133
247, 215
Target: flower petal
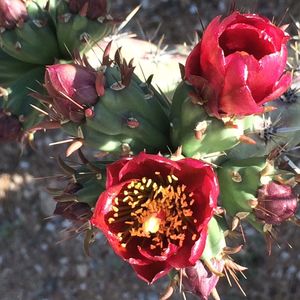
153, 271
236, 98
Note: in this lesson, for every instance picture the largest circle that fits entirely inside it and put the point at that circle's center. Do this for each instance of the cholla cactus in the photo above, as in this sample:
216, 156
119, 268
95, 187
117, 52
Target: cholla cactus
110, 109
15, 99
200, 135
25, 25
80, 24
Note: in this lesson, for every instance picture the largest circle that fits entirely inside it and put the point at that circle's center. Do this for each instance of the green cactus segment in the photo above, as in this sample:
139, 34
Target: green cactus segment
27, 43
75, 32
197, 133
278, 128
135, 115
11, 68
239, 182
17, 101
91, 179
215, 241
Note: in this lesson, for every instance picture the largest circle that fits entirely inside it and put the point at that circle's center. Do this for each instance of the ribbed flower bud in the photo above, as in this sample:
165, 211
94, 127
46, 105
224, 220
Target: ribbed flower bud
12, 12
276, 203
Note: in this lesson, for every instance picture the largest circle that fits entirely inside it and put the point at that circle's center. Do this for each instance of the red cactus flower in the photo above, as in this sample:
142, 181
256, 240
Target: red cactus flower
10, 128
72, 87
12, 13
155, 212
92, 9
276, 203
241, 61
201, 281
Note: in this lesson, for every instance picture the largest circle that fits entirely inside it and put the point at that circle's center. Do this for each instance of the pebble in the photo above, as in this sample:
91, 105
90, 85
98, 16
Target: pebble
82, 270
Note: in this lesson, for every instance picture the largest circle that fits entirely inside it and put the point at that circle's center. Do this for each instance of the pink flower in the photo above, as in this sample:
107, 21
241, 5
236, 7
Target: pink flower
155, 212
241, 61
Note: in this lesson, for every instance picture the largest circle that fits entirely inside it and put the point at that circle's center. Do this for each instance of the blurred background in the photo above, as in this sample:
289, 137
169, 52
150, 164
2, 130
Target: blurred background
38, 260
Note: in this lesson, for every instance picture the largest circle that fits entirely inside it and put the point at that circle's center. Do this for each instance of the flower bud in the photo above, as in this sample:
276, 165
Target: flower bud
12, 13
92, 9
276, 203
199, 280
72, 88
10, 128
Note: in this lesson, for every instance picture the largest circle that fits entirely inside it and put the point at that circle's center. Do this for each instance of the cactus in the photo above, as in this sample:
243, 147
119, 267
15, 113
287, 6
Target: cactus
278, 128
199, 135
16, 101
23, 39
150, 59
247, 184
128, 113
85, 182
80, 24
11, 68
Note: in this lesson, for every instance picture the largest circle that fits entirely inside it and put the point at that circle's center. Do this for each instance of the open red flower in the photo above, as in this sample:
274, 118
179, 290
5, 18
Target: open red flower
241, 61
155, 212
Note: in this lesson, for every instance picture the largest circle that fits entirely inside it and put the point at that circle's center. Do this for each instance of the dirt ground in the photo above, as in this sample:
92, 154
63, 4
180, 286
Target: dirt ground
36, 261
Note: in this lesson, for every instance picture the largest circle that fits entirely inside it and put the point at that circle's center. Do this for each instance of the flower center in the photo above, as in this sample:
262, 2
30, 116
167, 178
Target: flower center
159, 210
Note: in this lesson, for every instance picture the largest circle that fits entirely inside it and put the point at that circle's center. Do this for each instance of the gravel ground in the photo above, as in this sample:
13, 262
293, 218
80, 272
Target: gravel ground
39, 262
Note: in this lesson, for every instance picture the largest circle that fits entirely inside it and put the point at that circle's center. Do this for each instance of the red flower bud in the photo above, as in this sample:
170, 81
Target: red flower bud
155, 212
10, 128
241, 60
72, 88
276, 203
92, 9
199, 280
12, 12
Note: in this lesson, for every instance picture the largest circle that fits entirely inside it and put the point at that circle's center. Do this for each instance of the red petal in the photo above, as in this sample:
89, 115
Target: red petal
153, 271
149, 254
213, 62
236, 98
146, 165
113, 171
190, 252
281, 86
192, 65
265, 74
